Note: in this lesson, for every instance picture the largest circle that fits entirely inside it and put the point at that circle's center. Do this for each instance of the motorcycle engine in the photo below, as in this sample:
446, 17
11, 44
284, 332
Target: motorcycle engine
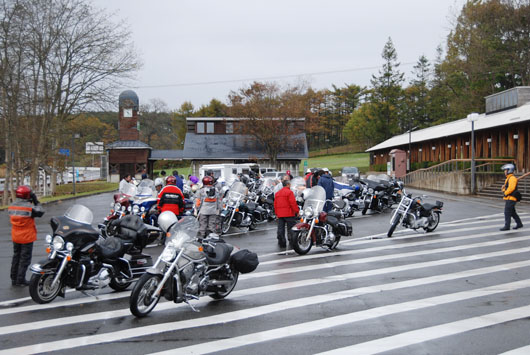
421, 222
191, 277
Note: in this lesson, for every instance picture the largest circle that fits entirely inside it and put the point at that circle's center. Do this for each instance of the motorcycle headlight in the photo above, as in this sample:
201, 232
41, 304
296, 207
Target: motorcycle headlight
69, 246
112, 204
129, 208
136, 209
117, 206
58, 243
48, 239
168, 254
142, 208
370, 191
308, 213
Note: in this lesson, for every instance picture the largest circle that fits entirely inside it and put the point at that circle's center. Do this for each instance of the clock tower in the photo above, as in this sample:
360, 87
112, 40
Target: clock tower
128, 119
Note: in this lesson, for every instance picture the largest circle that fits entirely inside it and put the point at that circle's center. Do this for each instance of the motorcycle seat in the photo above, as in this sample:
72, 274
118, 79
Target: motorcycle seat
428, 206
111, 248
333, 221
130, 228
220, 254
335, 214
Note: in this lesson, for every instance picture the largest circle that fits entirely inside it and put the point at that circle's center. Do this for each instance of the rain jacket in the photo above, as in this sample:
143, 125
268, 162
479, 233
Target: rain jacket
510, 185
171, 199
285, 203
327, 183
209, 200
21, 214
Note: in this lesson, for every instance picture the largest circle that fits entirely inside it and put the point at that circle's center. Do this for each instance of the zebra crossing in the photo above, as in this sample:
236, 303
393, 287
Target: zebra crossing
442, 292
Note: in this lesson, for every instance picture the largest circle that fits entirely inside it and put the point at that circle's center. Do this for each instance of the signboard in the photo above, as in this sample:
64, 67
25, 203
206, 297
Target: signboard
94, 148
64, 151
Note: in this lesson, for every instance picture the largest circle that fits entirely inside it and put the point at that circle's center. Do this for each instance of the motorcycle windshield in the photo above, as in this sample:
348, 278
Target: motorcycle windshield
184, 231
231, 179
298, 186
238, 188
146, 188
315, 200
129, 190
80, 214
267, 186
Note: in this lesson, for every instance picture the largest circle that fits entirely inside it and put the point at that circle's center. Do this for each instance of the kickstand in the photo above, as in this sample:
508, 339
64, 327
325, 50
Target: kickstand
189, 304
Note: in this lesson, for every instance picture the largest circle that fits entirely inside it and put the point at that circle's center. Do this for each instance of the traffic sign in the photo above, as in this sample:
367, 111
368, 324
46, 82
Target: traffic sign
64, 151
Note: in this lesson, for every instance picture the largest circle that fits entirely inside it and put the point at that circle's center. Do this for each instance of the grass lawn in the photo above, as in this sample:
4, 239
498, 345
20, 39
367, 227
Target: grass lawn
338, 161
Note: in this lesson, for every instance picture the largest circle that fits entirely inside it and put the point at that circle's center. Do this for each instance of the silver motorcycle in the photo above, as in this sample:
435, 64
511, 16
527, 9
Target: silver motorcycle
187, 269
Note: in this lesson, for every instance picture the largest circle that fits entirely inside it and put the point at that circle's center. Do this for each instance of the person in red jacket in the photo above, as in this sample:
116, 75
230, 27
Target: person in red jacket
170, 197
22, 213
286, 210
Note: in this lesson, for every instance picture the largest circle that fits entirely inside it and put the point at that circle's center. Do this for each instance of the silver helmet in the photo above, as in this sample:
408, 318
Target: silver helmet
510, 167
166, 220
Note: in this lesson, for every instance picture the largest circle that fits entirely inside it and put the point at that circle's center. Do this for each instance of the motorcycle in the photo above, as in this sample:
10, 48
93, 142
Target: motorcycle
343, 200
121, 207
413, 213
187, 269
376, 193
298, 186
80, 258
234, 212
318, 227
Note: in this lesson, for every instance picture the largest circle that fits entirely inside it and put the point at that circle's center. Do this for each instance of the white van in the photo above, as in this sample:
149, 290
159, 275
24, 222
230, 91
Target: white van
225, 170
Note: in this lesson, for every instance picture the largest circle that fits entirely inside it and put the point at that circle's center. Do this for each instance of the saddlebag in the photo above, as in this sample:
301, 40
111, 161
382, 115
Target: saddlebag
244, 261
344, 228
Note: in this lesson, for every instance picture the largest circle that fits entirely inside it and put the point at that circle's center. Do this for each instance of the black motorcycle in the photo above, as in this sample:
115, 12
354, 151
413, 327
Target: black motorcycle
414, 213
79, 257
377, 194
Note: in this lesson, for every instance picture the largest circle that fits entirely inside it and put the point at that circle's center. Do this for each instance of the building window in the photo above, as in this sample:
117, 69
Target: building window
200, 127
229, 127
209, 127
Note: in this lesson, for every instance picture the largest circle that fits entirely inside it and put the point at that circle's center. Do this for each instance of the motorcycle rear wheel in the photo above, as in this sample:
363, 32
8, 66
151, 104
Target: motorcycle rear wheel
119, 284
300, 244
434, 223
395, 222
40, 288
227, 288
142, 300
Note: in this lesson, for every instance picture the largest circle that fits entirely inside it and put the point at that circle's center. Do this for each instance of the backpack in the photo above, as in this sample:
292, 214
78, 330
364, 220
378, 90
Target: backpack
211, 194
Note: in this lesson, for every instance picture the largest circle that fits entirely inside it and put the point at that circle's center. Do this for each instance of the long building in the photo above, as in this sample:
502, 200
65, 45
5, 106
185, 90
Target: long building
502, 131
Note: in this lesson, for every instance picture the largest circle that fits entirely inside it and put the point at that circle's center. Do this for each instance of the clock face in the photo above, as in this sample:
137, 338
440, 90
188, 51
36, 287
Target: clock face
127, 112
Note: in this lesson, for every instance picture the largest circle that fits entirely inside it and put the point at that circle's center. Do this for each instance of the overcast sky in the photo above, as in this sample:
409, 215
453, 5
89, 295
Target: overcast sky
210, 41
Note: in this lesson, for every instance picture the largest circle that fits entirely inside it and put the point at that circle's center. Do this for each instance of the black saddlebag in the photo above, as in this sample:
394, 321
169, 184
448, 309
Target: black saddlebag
344, 228
244, 261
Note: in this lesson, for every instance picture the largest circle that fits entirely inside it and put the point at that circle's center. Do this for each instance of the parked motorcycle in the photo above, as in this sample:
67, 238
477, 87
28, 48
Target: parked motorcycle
377, 193
80, 258
234, 212
121, 207
413, 213
317, 227
187, 269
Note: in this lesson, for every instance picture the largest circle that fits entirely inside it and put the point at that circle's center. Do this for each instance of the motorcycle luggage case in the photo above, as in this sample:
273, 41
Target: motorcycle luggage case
345, 228
244, 261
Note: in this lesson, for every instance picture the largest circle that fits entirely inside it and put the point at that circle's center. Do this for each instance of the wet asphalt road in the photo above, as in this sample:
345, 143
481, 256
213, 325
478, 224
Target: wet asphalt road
463, 289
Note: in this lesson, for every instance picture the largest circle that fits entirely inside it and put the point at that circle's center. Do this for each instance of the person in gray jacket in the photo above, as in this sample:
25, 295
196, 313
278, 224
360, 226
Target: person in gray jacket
209, 203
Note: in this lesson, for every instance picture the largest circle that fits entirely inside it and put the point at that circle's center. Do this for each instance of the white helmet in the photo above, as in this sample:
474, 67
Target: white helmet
166, 220
159, 182
509, 167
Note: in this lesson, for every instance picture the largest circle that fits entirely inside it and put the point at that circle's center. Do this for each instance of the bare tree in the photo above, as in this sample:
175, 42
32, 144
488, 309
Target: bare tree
71, 57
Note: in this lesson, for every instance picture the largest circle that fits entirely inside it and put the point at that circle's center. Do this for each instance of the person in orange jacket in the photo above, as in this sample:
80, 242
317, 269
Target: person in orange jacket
22, 213
509, 188
171, 197
286, 210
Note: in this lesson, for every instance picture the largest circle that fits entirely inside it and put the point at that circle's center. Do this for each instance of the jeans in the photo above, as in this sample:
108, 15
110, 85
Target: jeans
282, 222
509, 212
20, 262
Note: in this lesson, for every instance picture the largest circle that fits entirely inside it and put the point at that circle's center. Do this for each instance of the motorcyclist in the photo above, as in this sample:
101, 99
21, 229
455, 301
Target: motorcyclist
510, 186
179, 182
170, 197
127, 179
159, 184
22, 213
209, 203
326, 182
286, 210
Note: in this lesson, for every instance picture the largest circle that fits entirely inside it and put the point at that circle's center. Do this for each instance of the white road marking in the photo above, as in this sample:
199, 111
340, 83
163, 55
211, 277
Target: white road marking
434, 332
525, 350
318, 325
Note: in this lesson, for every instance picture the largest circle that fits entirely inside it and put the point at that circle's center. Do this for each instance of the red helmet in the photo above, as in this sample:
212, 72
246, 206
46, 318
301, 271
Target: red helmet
207, 180
23, 191
171, 180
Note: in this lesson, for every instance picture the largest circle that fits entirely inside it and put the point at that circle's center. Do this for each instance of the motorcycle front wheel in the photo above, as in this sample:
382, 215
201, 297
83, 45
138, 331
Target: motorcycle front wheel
143, 300
300, 243
395, 222
225, 224
41, 290
226, 289
435, 219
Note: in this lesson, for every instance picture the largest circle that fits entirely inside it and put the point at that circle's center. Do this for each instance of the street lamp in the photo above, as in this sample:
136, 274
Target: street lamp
74, 136
472, 117
409, 160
